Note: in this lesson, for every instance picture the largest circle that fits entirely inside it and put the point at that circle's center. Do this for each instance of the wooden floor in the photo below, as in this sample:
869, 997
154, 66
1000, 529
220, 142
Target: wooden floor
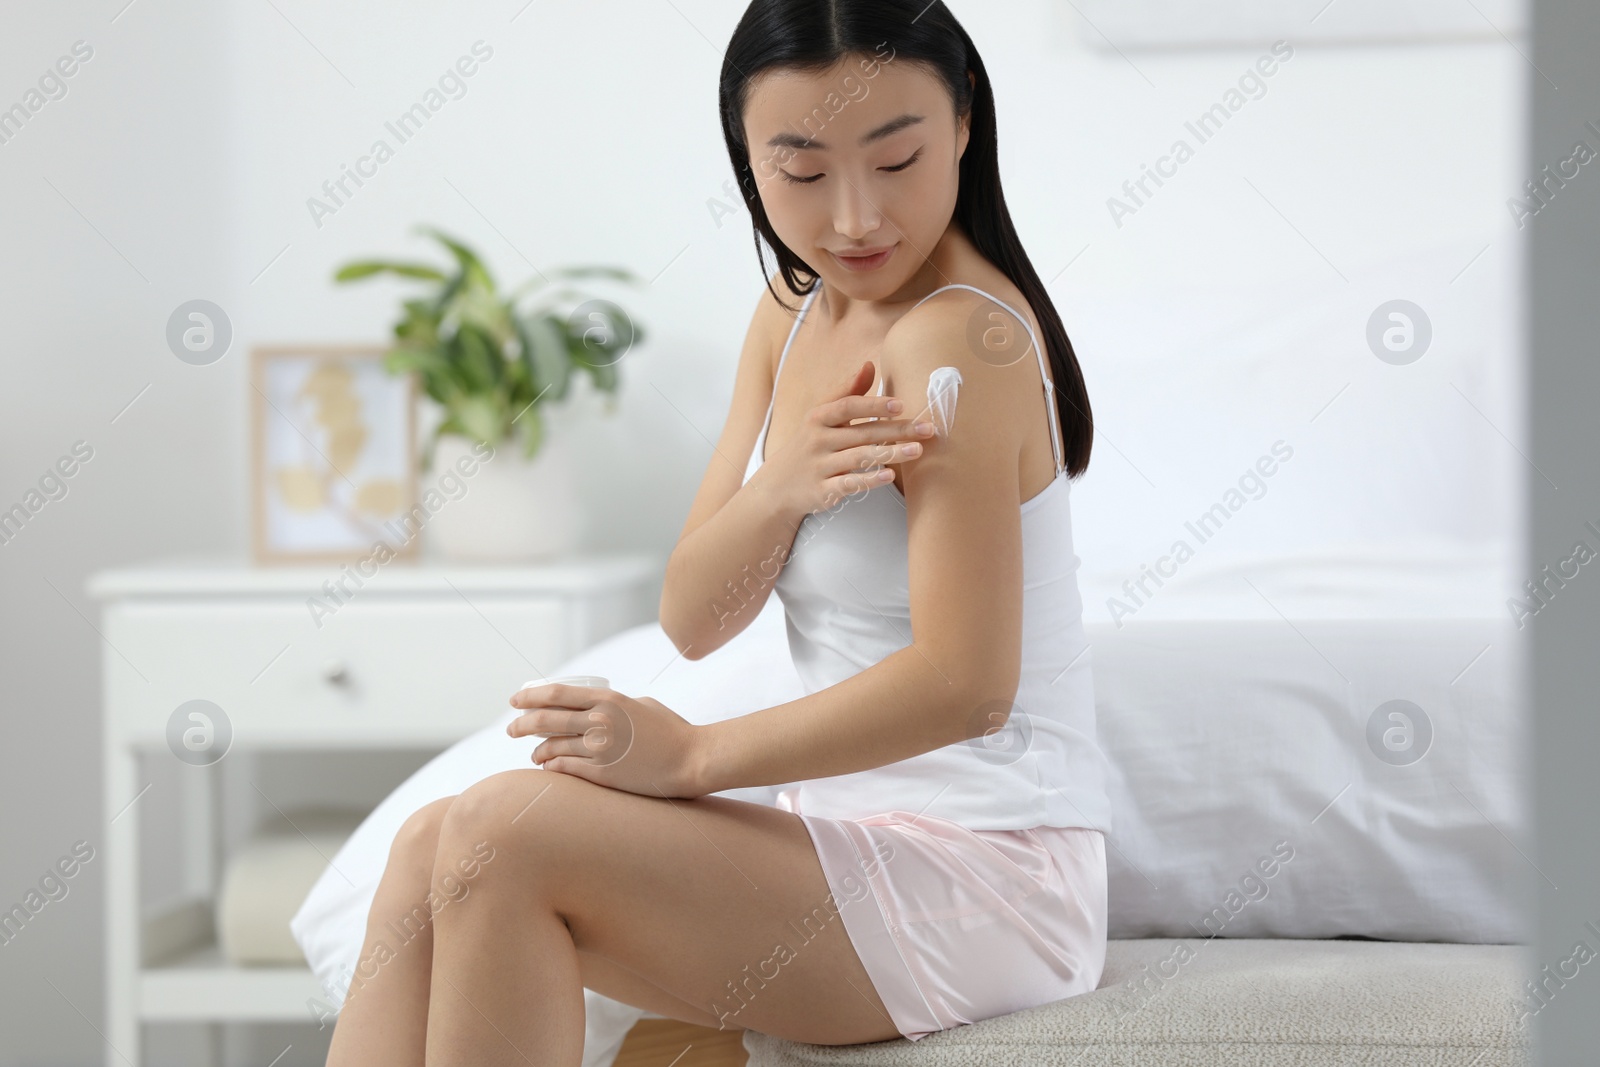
669, 1043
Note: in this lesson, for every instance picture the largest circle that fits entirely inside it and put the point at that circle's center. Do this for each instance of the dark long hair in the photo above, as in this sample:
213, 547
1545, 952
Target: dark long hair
816, 34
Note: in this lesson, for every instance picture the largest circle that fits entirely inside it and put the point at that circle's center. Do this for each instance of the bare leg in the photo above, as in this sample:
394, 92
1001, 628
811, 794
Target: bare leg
387, 1022
721, 903
385, 1014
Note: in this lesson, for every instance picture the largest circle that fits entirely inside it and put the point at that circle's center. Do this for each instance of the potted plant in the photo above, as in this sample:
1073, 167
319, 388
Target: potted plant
492, 362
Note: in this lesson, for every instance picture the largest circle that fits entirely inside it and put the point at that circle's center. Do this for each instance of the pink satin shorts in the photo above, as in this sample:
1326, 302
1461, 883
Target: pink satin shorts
955, 925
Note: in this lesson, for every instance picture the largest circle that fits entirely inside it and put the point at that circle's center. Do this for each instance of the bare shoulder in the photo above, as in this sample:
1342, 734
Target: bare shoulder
983, 325
770, 326
989, 348
752, 391
754, 377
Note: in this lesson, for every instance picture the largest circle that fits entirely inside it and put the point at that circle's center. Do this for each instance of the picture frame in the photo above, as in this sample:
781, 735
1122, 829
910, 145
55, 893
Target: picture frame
333, 466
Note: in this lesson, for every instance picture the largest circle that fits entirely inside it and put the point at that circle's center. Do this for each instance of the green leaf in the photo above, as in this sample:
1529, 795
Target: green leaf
604, 375
484, 311
479, 418
520, 381
532, 430
525, 357
481, 366
405, 358
419, 327
604, 339
441, 304
367, 268
550, 359
472, 268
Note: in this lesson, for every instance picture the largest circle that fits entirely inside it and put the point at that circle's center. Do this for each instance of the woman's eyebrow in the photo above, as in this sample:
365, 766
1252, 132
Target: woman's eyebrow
809, 144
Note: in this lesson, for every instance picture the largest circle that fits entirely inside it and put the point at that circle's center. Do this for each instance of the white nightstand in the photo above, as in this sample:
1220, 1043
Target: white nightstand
415, 657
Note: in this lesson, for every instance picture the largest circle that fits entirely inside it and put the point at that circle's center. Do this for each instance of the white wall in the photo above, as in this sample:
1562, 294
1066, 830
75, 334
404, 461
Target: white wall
1211, 323
1220, 317
116, 209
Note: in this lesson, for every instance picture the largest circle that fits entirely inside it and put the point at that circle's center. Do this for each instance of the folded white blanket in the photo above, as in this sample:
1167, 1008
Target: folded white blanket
268, 877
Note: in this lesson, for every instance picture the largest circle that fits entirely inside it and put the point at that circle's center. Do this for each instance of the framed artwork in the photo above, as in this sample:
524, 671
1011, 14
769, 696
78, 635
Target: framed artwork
333, 455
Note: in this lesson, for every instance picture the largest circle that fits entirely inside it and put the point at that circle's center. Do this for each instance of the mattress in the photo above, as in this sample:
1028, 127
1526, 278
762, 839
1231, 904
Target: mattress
1314, 746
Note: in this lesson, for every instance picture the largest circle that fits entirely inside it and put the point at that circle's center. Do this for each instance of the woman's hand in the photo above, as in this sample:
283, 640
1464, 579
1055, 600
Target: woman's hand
828, 459
638, 745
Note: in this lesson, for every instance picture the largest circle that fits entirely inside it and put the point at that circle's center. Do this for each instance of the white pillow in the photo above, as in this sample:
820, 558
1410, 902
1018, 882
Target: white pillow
751, 672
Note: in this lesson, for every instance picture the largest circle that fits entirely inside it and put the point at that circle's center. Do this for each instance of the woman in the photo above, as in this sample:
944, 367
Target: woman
938, 855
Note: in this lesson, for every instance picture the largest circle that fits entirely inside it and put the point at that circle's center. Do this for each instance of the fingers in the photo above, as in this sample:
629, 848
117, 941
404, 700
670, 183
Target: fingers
561, 746
867, 465
887, 431
845, 485
559, 695
864, 458
863, 448
548, 722
842, 411
578, 768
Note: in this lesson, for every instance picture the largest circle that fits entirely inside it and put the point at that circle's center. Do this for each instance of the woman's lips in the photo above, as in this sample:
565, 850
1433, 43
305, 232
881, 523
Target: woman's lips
872, 262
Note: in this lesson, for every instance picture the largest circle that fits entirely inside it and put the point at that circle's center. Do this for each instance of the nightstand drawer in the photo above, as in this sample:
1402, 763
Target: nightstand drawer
385, 671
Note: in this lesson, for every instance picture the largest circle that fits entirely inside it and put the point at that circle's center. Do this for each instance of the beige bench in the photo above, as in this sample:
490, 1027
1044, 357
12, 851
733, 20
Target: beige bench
1225, 1002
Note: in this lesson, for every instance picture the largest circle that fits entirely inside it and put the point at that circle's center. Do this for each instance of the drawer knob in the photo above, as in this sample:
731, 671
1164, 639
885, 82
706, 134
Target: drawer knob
336, 673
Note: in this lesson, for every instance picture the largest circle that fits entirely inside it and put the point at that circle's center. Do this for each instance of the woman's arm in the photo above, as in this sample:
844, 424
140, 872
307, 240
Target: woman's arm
729, 552
958, 676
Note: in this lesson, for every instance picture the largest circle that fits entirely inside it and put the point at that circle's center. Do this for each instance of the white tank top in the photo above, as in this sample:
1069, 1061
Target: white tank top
845, 590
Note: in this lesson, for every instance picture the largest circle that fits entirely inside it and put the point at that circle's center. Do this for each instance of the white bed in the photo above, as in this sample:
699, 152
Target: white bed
1234, 708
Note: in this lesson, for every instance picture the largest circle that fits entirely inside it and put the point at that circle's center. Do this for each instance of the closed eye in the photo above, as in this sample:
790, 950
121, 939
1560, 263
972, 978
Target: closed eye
896, 169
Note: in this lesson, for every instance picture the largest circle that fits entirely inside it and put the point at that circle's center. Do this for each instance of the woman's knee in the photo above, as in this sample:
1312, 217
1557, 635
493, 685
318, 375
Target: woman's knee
510, 815
417, 841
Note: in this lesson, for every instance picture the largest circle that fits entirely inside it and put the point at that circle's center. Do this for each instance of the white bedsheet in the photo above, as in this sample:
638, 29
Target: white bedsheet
1235, 710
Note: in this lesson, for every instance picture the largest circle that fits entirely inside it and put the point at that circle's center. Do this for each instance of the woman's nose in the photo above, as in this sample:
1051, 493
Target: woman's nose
854, 214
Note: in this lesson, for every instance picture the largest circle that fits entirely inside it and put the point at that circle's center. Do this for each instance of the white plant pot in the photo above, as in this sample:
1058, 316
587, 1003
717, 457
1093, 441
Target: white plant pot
509, 509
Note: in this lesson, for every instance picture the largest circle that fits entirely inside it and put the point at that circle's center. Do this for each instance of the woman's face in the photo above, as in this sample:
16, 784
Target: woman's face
860, 159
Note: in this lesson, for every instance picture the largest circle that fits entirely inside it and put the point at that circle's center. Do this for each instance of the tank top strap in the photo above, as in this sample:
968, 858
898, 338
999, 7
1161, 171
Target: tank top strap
805, 306
1038, 351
